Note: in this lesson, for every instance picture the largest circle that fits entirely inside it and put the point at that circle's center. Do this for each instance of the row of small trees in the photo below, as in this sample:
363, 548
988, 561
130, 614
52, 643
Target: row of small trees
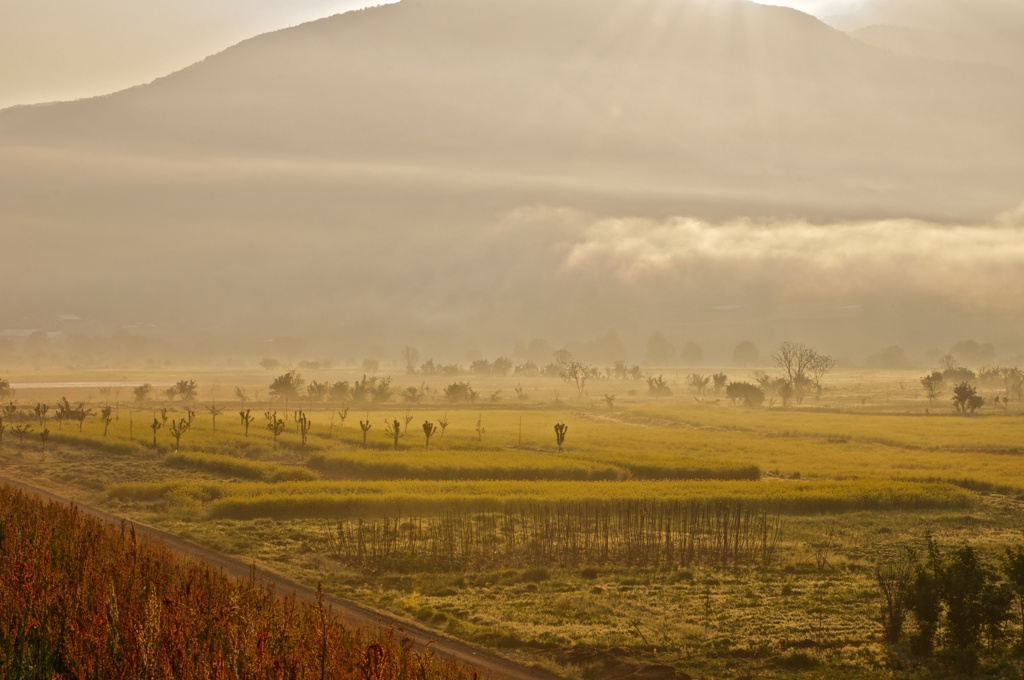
965, 397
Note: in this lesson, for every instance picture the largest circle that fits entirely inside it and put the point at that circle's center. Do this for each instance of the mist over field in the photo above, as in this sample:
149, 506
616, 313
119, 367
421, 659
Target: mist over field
463, 176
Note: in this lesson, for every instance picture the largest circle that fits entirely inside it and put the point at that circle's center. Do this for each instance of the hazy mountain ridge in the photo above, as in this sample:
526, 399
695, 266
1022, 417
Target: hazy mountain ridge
980, 31
544, 85
464, 161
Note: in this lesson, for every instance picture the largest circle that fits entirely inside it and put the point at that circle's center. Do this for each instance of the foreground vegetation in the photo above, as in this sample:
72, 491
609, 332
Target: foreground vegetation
667, 533
83, 599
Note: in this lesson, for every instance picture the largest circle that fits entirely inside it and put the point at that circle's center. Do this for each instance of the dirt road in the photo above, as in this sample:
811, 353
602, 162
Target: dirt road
488, 664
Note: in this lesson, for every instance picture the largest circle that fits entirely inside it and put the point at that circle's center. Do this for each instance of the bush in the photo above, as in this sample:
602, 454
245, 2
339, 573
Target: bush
460, 392
749, 394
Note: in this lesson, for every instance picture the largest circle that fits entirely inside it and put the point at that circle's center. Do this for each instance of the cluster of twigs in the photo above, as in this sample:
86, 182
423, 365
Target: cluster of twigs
640, 533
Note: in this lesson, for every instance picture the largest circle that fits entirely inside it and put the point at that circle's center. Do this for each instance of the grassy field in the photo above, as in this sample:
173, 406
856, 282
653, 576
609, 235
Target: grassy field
866, 469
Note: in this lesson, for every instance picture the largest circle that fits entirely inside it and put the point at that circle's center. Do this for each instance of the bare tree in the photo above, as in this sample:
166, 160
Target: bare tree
699, 382
20, 431
246, 419
40, 411
214, 412
304, 426
342, 414
794, 360
802, 366
428, 430
155, 425
393, 430
177, 428
560, 430
274, 424
365, 426
821, 365
657, 387
443, 422
106, 417
411, 356
575, 374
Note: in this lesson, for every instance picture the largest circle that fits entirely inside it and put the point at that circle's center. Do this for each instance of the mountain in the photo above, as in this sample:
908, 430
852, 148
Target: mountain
979, 31
434, 164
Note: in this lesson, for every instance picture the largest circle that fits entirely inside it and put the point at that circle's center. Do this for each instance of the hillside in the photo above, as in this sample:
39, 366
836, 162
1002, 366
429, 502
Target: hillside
407, 140
984, 32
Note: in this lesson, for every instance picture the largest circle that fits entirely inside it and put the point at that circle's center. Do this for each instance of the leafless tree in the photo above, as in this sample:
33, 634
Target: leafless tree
575, 374
428, 430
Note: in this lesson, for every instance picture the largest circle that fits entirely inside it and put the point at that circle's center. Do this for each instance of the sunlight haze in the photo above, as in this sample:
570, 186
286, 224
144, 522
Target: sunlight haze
512, 339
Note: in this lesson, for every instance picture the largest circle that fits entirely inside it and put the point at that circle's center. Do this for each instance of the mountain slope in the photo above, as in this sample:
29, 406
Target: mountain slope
674, 91
981, 31
402, 152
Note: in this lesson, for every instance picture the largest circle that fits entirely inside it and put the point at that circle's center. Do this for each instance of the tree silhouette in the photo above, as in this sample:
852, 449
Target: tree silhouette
365, 426
274, 424
966, 399
932, 385
214, 412
106, 417
20, 431
187, 389
156, 425
560, 430
393, 430
246, 419
286, 386
40, 411
428, 430
575, 373
178, 428
142, 392
304, 426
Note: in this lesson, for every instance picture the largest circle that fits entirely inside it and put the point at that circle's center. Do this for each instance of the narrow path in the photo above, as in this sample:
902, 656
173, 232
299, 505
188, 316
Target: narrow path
487, 663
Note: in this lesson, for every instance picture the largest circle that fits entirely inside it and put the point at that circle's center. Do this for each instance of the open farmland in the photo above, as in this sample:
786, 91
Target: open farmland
675, 535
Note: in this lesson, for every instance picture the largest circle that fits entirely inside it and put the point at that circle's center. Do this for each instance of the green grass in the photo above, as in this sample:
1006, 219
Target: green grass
349, 499
230, 466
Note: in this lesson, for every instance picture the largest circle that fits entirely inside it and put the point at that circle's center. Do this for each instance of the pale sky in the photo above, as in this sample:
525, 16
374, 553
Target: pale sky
67, 49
